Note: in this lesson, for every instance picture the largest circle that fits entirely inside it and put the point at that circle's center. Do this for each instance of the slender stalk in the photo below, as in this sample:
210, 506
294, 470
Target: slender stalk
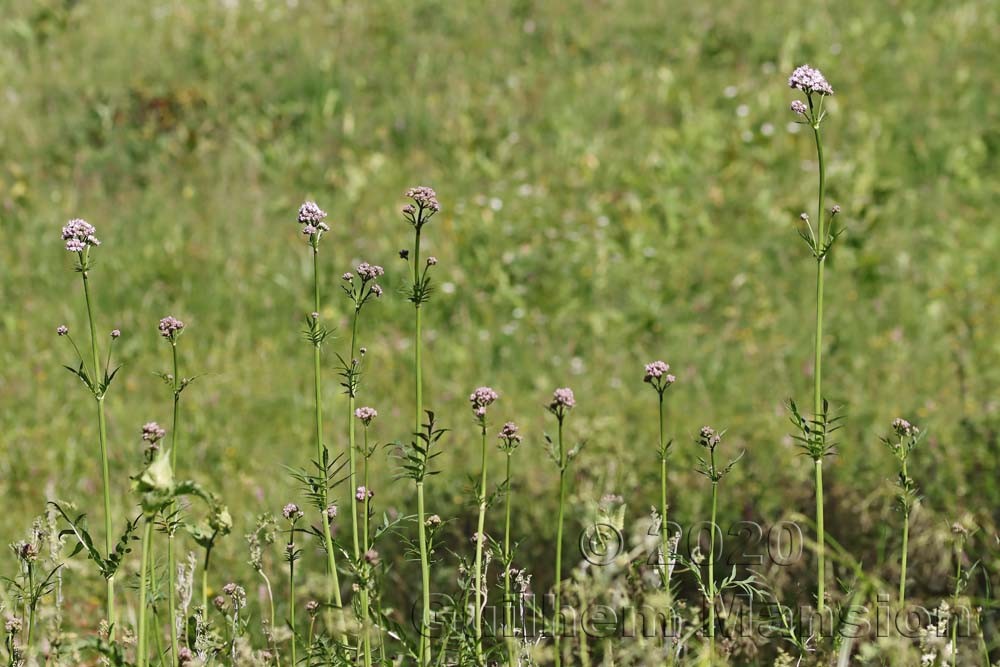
954, 606
204, 577
664, 529
103, 439
270, 599
508, 611
291, 607
906, 540
350, 421
171, 564
818, 376
29, 605
425, 578
711, 566
425, 567
480, 540
559, 535
331, 556
365, 612
147, 536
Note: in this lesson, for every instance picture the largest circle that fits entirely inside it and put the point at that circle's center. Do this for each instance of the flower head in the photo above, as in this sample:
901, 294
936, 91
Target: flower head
152, 432
331, 511
809, 81
562, 401
79, 235
799, 107
509, 436
482, 398
404, 254
372, 557
363, 493
708, 437
292, 512
432, 261
424, 197
903, 428
312, 607
366, 414
184, 656
116, 333
170, 327
62, 329
658, 374
370, 271
311, 214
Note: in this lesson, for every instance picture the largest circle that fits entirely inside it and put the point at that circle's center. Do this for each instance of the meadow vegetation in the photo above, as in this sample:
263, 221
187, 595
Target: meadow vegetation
618, 183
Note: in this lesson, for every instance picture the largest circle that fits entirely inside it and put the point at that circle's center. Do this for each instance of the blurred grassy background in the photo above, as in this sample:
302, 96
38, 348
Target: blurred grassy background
620, 182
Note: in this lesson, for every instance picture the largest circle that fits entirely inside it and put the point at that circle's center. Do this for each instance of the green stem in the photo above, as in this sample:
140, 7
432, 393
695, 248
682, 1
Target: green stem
664, 528
331, 556
508, 611
480, 540
818, 375
711, 565
559, 534
425, 568
171, 564
821, 533
270, 599
350, 422
365, 613
204, 578
291, 608
29, 605
906, 540
954, 607
147, 536
105, 468
425, 578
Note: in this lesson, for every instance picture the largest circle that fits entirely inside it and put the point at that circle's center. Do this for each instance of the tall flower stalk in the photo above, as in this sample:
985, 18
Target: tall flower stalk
80, 237
170, 329
710, 439
906, 437
363, 497
480, 400
423, 208
312, 217
815, 431
562, 402
360, 289
292, 514
156, 490
658, 376
510, 439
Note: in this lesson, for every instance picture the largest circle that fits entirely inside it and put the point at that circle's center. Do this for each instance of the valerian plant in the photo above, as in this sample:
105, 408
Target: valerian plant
510, 440
425, 205
710, 439
81, 237
904, 439
360, 287
170, 329
481, 399
562, 402
312, 218
658, 376
820, 240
